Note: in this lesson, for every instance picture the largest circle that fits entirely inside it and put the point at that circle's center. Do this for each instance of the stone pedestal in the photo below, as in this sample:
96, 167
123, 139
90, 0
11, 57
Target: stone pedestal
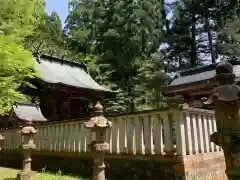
98, 150
24, 175
28, 131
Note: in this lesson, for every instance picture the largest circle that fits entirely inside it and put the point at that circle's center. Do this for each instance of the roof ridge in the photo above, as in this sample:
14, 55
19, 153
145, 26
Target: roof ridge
204, 68
63, 61
25, 103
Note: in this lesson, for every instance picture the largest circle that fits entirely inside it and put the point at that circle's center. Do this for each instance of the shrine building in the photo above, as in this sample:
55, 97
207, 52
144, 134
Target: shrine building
196, 83
63, 91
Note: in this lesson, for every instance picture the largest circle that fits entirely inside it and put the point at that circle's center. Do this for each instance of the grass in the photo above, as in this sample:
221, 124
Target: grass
11, 174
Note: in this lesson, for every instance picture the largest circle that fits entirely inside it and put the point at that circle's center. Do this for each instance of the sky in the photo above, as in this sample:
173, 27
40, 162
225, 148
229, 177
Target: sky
60, 6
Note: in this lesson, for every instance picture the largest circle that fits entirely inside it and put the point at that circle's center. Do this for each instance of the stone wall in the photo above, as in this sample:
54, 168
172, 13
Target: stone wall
209, 166
119, 167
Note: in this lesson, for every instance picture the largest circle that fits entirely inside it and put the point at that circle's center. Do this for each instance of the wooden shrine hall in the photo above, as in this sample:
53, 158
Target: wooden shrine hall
194, 84
63, 91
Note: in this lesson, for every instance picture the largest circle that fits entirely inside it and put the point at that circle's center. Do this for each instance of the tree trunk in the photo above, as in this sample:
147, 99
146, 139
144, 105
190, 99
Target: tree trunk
193, 55
207, 28
180, 61
164, 17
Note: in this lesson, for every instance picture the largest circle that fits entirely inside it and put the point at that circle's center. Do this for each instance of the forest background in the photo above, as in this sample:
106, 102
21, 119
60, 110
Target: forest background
130, 46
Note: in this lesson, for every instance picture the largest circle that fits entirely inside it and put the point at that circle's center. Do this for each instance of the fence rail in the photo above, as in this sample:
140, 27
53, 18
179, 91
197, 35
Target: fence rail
185, 132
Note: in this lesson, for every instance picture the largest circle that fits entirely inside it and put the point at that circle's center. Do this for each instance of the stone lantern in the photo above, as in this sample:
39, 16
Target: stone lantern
27, 131
225, 101
1, 141
27, 115
98, 125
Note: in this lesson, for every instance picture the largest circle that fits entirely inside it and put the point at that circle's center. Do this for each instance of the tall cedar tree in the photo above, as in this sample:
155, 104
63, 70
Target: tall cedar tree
124, 34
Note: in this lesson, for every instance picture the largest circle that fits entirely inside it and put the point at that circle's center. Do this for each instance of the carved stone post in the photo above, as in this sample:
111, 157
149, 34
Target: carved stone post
98, 124
225, 101
27, 131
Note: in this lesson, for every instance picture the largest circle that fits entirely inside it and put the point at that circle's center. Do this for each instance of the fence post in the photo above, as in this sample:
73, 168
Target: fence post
176, 106
180, 129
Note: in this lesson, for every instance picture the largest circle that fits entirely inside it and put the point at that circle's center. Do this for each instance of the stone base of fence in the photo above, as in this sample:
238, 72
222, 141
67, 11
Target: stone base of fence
210, 166
198, 167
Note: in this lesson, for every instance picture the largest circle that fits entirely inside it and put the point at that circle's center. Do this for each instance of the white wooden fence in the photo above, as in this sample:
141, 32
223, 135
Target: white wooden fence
185, 132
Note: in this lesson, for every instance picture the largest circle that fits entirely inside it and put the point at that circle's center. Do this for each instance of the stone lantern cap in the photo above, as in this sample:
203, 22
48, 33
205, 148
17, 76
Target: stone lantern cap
98, 120
224, 67
227, 90
28, 130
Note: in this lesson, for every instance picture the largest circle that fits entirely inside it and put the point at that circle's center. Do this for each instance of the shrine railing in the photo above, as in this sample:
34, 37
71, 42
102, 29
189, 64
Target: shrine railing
173, 131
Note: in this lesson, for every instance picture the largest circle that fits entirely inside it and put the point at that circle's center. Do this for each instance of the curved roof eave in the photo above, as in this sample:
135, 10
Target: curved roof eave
28, 112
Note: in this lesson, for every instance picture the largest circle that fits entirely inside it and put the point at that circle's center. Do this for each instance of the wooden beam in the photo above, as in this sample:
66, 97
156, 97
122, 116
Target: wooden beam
90, 94
196, 103
201, 92
189, 89
178, 89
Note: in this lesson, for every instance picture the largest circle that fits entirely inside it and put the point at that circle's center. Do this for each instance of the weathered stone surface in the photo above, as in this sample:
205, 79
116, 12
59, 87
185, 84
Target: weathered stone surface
97, 120
29, 146
208, 167
101, 147
26, 147
28, 130
116, 169
98, 124
2, 138
225, 99
24, 175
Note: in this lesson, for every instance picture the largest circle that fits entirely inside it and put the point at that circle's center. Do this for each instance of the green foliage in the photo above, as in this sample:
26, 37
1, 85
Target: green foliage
202, 31
7, 173
123, 34
17, 20
229, 46
48, 37
15, 68
119, 42
19, 17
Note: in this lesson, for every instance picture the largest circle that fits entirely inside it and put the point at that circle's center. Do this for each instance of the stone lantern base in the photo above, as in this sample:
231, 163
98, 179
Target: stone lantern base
24, 175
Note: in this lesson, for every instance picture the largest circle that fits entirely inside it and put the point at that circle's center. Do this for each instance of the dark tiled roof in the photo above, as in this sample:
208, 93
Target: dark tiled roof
201, 73
57, 71
28, 112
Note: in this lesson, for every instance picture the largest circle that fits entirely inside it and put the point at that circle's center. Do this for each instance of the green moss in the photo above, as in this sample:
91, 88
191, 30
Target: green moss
10, 174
